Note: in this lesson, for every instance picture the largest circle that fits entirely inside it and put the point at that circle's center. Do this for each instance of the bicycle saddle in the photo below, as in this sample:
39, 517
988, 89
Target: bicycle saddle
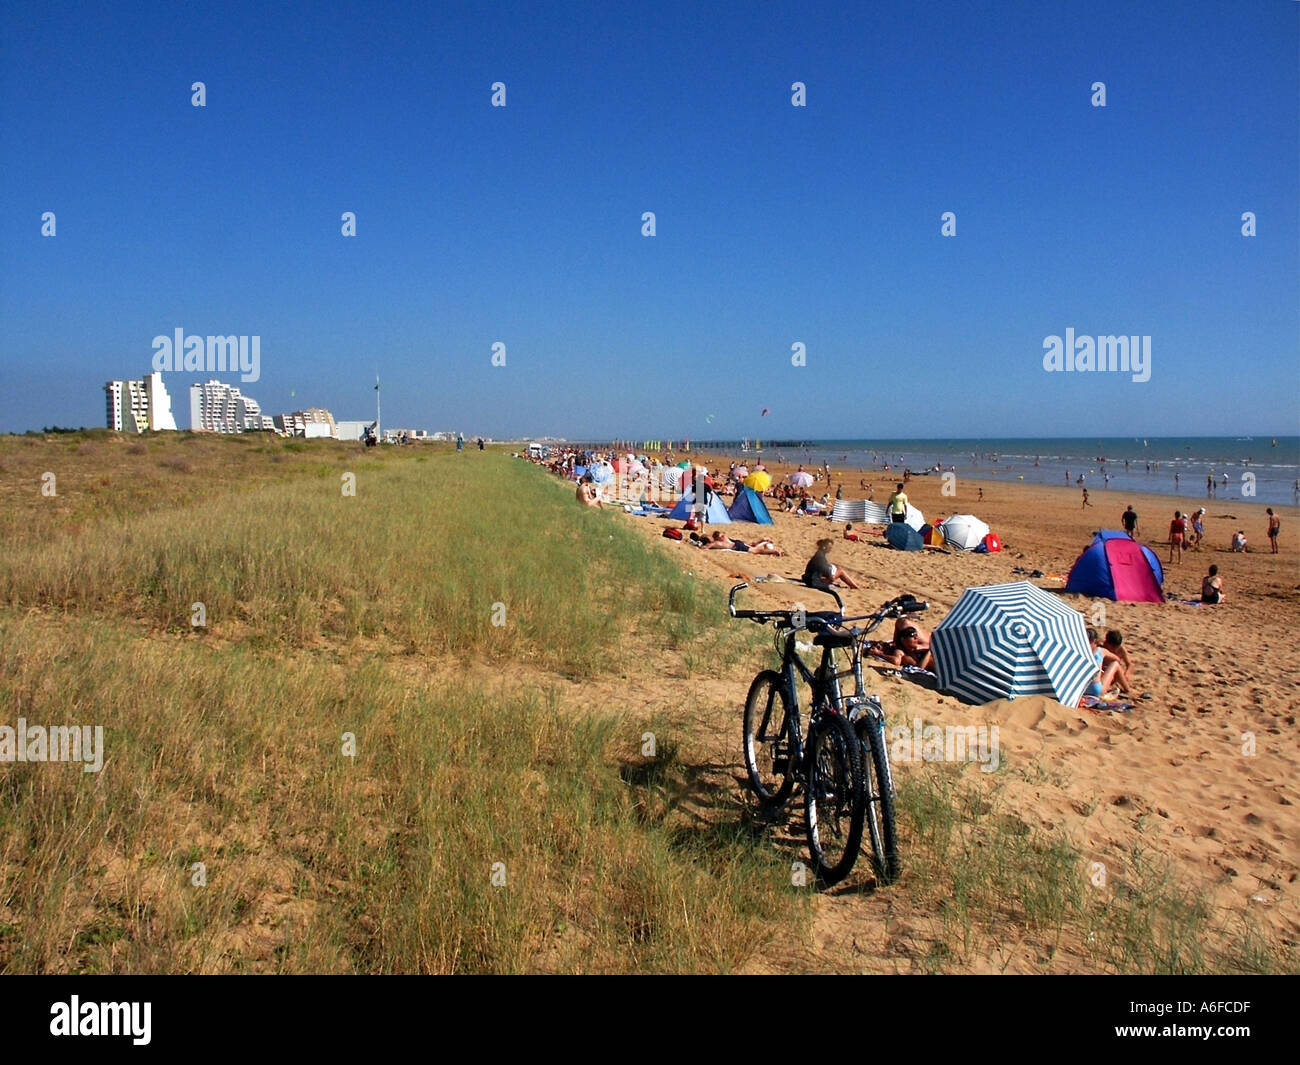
833, 638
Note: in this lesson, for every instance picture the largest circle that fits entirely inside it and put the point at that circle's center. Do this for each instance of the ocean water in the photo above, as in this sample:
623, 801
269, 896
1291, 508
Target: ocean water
1257, 471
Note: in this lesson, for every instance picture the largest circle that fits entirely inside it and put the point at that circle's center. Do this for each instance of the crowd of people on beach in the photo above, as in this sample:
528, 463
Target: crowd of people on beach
640, 477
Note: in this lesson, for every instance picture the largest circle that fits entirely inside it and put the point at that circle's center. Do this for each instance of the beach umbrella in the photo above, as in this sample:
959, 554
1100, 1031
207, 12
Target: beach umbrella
964, 531
800, 479
903, 537
619, 465
601, 473
914, 517
759, 481
636, 469
683, 465
671, 477
1005, 641
742, 472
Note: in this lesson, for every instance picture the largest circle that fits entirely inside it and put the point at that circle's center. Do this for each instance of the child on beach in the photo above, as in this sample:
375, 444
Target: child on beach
1108, 667
1239, 540
1113, 644
1177, 534
849, 534
1212, 587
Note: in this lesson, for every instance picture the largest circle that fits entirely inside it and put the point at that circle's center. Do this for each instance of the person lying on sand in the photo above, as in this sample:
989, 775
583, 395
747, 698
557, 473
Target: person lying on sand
849, 534
910, 646
822, 573
720, 542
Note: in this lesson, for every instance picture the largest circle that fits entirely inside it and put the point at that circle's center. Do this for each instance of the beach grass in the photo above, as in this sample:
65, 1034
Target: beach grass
478, 827
441, 725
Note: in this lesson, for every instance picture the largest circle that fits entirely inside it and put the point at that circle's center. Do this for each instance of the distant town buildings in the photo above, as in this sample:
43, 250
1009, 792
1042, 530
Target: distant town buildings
220, 408
311, 423
139, 406
216, 407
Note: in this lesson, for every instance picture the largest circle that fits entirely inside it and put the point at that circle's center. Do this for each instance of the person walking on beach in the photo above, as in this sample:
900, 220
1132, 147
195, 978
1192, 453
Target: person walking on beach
1130, 522
1209, 486
1085, 499
1198, 530
898, 505
1274, 525
1177, 535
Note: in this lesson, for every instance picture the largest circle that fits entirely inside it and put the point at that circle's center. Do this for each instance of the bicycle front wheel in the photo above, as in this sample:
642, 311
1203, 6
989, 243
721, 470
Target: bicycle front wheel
835, 799
767, 744
879, 784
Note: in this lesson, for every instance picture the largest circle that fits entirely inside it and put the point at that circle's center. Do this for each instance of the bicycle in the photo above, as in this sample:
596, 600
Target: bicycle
843, 763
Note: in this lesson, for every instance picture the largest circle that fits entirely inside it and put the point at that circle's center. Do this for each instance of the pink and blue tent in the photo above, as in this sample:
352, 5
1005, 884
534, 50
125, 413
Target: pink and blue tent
1115, 567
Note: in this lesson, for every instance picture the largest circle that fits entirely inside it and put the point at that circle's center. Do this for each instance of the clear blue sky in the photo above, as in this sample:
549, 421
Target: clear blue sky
775, 224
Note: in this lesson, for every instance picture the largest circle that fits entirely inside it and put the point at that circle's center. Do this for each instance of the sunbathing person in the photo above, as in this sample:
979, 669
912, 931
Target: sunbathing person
822, 573
1109, 668
1113, 647
720, 542
910, 646
588, 495
849, 534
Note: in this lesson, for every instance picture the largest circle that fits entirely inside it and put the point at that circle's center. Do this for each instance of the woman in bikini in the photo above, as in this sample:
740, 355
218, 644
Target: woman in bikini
721, 542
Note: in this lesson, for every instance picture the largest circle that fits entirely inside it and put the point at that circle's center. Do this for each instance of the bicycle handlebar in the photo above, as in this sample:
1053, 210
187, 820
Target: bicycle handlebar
897, 607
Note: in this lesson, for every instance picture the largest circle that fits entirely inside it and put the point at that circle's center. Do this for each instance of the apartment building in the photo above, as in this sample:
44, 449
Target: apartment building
139, 406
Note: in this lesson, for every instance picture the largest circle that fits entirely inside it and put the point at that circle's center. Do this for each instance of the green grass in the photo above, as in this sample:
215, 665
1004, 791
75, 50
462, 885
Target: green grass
330, 615
425, 556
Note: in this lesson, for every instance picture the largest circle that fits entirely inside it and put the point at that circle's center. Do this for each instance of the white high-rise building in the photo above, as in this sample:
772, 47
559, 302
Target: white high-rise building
138, 406
220, 408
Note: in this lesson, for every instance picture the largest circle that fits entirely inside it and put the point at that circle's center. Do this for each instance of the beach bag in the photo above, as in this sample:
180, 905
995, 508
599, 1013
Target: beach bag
673, 534
991, 543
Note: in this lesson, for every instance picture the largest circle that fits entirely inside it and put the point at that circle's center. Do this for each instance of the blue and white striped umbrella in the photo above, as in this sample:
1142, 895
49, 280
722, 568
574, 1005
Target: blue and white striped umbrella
1011, 640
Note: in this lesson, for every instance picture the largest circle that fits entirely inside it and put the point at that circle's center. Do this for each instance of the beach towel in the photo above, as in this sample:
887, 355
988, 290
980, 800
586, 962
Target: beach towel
1091, 702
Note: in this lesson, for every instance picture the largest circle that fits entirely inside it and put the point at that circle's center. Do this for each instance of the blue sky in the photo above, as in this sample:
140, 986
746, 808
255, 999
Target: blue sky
775, 224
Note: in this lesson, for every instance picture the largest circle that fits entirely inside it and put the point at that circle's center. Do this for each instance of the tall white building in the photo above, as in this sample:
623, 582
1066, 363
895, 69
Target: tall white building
220, 408
139, 406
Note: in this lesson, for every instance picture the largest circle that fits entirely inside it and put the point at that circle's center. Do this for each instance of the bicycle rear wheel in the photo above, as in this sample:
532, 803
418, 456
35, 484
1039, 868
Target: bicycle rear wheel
879, 787
767, 745
835, 798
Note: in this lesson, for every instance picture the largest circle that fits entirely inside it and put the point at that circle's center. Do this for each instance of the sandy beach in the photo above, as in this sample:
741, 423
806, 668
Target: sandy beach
1203, 773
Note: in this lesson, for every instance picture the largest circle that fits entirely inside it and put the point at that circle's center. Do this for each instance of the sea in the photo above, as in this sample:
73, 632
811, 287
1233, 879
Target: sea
1259, 469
